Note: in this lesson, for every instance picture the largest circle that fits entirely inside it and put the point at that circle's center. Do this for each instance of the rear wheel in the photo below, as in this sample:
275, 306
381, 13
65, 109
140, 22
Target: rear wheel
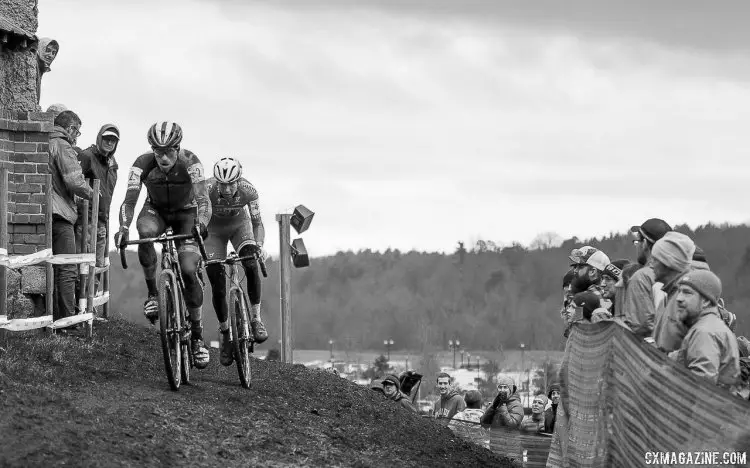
170, 325
241, 338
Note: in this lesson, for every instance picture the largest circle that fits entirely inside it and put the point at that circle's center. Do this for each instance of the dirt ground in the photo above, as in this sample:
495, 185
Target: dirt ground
68, 401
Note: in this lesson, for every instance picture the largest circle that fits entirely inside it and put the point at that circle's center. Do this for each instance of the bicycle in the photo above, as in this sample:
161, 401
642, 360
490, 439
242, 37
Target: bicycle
239, 317
174, 320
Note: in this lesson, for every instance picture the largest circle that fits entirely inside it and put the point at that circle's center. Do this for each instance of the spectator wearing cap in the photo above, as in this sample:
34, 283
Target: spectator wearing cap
578, 259
671, 259
98, 162
506, 409
638, 308
67, 183
596, 264
535, 421
550, 414
709, 348
466, 423
392, 391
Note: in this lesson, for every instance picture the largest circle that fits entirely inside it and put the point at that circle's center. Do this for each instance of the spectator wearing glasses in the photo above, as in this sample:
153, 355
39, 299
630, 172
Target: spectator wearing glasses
67, 182
639, 307
506, 410
535, 421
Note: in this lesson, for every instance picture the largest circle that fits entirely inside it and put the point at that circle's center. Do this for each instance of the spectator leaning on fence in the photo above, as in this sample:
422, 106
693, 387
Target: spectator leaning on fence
67, 181
638, 305
392, 391
506, 409
670, 259
550, 414
709, 349
466, 423
450, 401
98, 162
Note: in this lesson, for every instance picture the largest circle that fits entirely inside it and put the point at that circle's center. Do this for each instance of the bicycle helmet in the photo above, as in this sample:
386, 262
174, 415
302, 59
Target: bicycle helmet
165, 135
227, 170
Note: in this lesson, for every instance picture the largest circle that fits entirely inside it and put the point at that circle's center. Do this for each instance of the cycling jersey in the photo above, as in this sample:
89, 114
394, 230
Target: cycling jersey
183, 187
228, 209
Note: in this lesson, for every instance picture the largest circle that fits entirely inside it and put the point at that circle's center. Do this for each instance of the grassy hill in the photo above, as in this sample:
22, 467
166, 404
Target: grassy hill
70, 401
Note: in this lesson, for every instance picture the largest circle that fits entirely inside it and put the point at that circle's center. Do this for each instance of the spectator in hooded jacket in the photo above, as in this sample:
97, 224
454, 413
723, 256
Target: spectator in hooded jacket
450, 401
550, 414
638, 306
506, 409
535, 421
98, 162
466, 423
671, 259
392, 391
709, 348
67, 182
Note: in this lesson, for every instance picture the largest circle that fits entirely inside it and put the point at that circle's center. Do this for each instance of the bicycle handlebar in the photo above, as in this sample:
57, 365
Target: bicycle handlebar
161, 239
232, 259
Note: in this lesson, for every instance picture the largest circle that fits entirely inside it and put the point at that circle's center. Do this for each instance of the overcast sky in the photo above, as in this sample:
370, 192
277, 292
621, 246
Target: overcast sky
415, 124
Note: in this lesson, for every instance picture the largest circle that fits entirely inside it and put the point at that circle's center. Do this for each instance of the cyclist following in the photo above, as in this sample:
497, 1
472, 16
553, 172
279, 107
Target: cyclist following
176, 197
236, 218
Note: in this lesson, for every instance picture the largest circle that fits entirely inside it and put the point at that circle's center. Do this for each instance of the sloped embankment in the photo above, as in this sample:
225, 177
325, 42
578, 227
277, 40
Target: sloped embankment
105, 402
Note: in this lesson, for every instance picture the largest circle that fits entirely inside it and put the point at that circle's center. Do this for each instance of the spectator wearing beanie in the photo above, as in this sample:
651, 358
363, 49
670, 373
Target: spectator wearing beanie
550, 414
699, 260
466, 423
671, 259
611, 283
638, 303
535, 421
709, 349
506, 409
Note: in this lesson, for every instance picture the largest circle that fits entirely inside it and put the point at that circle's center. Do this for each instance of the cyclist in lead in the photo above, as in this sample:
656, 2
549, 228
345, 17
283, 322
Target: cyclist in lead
176, 197
236, 218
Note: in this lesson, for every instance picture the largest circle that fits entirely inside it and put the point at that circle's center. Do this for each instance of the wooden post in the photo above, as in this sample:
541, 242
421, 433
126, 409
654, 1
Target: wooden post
285, 285
83, 249
50, 299
105, 277
3, 239
92, 268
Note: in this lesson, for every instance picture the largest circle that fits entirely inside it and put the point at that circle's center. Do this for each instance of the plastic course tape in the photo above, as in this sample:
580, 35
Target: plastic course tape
42, 322
44, 256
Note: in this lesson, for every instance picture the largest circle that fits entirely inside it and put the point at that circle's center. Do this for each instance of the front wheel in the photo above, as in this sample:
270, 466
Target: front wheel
241, 337
170, 326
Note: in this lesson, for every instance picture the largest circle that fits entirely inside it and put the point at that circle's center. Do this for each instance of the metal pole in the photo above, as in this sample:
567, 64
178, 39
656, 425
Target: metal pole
285, 285
3, 239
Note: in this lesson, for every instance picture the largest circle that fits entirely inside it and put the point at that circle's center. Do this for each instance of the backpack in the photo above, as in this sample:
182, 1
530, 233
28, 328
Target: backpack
729, 318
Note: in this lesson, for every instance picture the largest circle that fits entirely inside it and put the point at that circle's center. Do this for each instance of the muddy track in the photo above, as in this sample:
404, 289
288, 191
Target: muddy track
69, 401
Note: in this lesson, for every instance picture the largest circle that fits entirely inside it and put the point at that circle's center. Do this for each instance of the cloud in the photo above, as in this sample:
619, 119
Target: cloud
413, 127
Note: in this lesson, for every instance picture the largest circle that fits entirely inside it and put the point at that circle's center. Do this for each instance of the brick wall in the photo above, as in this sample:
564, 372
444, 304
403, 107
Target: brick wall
24, 146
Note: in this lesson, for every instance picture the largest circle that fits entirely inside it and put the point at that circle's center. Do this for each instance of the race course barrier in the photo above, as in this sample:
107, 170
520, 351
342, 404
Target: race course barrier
622, 399
88, 298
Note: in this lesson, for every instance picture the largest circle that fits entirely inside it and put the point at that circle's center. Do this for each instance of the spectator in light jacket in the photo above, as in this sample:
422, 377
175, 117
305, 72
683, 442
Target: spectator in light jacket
67, 182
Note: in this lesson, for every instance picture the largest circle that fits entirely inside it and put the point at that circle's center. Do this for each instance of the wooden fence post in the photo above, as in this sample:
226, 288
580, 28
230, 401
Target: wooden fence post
3, 239
92, 268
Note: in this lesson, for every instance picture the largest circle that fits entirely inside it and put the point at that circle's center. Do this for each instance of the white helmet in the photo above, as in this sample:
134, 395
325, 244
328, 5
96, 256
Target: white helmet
227, 170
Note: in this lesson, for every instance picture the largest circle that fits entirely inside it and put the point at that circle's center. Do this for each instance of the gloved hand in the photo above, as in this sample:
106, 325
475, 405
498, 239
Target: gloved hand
121, 237
202, 230
500, 399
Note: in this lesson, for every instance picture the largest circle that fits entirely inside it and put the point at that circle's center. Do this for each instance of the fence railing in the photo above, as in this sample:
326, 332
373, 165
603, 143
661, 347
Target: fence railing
86, 261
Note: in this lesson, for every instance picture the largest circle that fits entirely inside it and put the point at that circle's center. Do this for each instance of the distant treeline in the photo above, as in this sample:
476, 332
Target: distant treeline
489, 297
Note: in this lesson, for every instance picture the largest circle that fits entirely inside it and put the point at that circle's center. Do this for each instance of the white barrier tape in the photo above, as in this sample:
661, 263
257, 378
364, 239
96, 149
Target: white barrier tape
46, 256
25, 324
73, 320
83, 269
98, 270
3, 252
98, 300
